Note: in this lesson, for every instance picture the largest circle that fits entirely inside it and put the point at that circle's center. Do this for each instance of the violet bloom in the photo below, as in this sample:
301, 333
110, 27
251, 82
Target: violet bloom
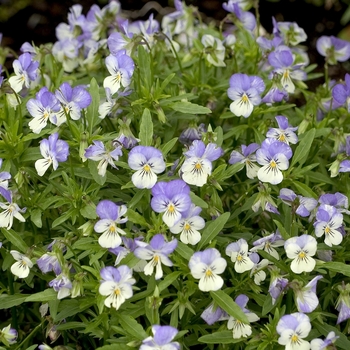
257, 270
123, 40
147, 161
291, 33
275, 94
210, 315
192, 133
198, 164
245, 17
337, 200
54, 151
42, 108
162, 339
98, 152
110, 215
343, 302
240, 329
319, 344
5, 176
329, 223
245, 92
206, 266
49, 262
273, 156
247, 157
333, 49
238, 252
341, 93
282, 62
306, 297
285, 132
62, 285
157, 252
121, 67
73, 101
66, 51
292, 330
8, 335
171, 198
26, 70
278, 285
269, 243
129, 247
116, 284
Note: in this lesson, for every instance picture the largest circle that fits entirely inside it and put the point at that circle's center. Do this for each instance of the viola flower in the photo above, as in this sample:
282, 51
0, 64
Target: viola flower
301, 249
42, 108
198, 164
98, 152
121, 67
191, 134
26, 71
8, 335
66, 51
11, 210
61, 284
278, 285
247, 157
245, 17
319, 344
129, 247
245, 92
162, 339
210, 315
54, 151
157, 252
333, 49
273, 156
291, 33
214, 50
329, 223
284, 132
116, 284
269, 243
206, 266
49, 262
341, 93
147, 161
293, 329
343, 303
275, 94
22, 267
171, 198
238, 252
240, 329
257, 270
110, 215
337, 200
306, 297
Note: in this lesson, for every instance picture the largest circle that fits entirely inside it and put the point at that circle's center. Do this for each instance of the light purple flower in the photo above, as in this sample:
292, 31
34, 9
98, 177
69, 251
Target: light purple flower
284, 132
66, 51
306, 297
157, 252
273, 156
269, 243
291, 33
238, 252
198, 164
62, 285
116, 284
245, 92
192, 133
258, 269
278, 285
129, 247
110, 215
8, 335
333, 49
162, 339
275, 94
210, 315
341, 93
245, 17
247, 157
171, 198
54, 151
319, 344
292, 330
98, 152
49, 262
206, 266
147, 161
337, 200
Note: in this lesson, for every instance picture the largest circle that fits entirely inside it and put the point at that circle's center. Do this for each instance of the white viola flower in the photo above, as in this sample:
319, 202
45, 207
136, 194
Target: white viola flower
214, 50
11, 210
306, 297
284, 132
319, 344
257, 270
269, 243
238, 252
189, 225
206, 266
22, 267
301, 249
247, 157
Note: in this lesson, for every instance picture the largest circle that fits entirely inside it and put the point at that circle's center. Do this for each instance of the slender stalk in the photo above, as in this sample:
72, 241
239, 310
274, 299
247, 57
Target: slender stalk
30, 335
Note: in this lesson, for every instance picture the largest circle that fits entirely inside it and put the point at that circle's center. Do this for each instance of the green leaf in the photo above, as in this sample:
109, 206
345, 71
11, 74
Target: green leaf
189, 108
8, 301
184, 250
337, 267
144, 64
46, 295
94, 172
168, 146
342, 342
146, 128
223, 337
303, 148
198, 201
212, 229
131, 326
92, 110
35, 216
136, 218
168, 280
229, 305
304, 190
15, 239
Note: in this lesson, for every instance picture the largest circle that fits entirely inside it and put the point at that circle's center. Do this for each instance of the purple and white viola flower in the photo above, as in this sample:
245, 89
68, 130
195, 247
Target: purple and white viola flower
116, 284
11, 210
157, 252
238, 252
333, 49
98, 152
42, 108
275, 94
291, 33
246, 156
329, 223
341, 93
343, 303
5, 176
61, 284
73, 101
247, 19
121, 67
257, 271
49, 262
319, 344
337, 200
284, 132
273, 156
22, 267
147, 161
245, 91
54, 151
206, 266
26, 71
269, 243
171, 198
278, 285
198, 164
162, 339
189, 225
191, 134
214, 50
110, 215
210, 315
306, 297
8, 335
121, 252
301, 249
240, 329
292, 330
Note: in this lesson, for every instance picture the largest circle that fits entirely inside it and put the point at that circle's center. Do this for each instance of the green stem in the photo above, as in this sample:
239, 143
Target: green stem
30, 335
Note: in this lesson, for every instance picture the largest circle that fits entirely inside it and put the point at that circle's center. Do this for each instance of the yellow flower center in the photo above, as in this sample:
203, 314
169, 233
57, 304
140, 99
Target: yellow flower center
117, 291
282, 138
198, 166
208, 273
273, 164
327, 230
171, 208
245, 98
147, 168
239, 257
302, 255
187, 227
286, 74
294, 338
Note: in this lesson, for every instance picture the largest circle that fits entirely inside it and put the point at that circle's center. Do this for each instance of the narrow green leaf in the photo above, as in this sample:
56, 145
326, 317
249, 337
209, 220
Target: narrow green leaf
35, 216
136, 218
198, 201
303, 147
144, 64
184, 250
168, 280
46, 295
189, 108
94, 172
223, 337
146, 128
8, 301
70, 325
168, 146
229, 305
212, 229
337, 267
304, 190
15, 239
92, 110
131, 326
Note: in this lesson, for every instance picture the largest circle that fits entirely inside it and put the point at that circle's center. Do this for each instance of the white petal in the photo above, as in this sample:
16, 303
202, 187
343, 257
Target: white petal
19, 269
198, 270
171, 217
333, 238
270, 174
42, 165
148, 270
302, 265
110, 240
107, 287
212, 282
37, 124
190, 237
244, 265
112, 83
144, 179
6, 219
63, 292
240, 108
